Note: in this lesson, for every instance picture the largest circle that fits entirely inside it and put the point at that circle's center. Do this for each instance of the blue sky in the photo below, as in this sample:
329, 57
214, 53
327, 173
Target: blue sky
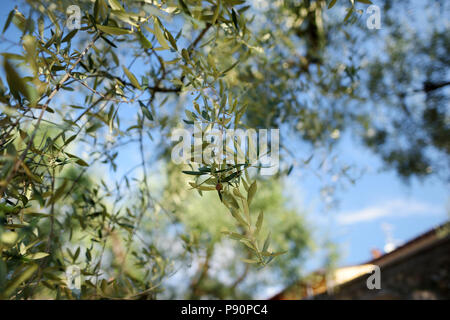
377, 199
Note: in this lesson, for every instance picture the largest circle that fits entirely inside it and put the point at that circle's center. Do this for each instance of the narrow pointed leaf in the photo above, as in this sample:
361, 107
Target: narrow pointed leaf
132, 78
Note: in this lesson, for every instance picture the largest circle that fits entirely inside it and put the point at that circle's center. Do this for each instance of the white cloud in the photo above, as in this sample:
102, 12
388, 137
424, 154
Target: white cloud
392, 208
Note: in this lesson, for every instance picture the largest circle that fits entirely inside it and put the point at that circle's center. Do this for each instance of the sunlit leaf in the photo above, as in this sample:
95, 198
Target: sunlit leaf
132, 78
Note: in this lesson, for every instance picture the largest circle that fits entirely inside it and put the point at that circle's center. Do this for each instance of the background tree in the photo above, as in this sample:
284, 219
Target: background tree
218, 264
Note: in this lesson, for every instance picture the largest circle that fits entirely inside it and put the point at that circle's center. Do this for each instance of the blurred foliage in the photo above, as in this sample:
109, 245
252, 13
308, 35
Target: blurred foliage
328, 74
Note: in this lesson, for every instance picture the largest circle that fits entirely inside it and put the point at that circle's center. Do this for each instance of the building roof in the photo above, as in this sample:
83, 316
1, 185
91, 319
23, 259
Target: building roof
304, 289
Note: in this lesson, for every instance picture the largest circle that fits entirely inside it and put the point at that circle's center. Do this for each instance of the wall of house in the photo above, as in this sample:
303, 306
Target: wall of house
424, 274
